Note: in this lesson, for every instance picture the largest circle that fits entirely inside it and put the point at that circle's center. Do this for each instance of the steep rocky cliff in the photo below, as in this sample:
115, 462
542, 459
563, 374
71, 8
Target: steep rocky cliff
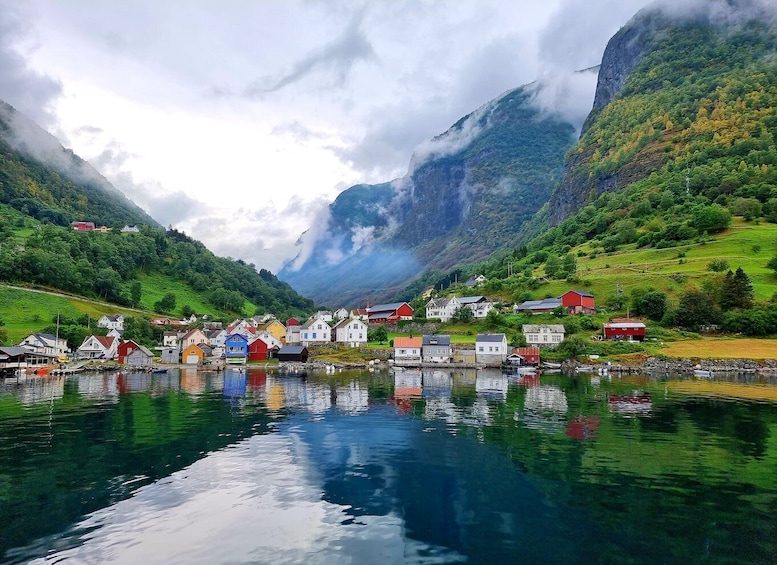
466, 194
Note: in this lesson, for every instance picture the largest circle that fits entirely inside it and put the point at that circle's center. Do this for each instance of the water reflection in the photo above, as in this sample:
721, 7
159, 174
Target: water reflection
427, 466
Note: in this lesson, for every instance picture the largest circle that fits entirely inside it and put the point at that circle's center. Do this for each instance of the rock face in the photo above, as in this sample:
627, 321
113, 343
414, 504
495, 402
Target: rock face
466, 194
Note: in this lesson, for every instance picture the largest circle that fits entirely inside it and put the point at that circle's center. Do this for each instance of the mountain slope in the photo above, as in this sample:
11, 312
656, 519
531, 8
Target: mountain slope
465, 196
681, 95
43, 187
50, 183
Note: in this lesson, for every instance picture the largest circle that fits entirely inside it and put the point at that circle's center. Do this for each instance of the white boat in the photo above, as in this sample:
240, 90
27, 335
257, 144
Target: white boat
703, 373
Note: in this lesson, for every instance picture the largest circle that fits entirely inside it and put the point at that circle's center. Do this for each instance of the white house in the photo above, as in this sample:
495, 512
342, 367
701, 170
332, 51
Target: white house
194, 336
360, 313
341, 314
97, 347
325, 315
543, 335
351, 331
315, 330
407, 349
479, 305
491, 349
45, 343
269, 339
130, 229
217, 338
113, 322
442, 308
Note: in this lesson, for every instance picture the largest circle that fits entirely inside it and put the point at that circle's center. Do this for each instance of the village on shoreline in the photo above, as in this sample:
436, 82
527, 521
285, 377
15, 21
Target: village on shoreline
315, 343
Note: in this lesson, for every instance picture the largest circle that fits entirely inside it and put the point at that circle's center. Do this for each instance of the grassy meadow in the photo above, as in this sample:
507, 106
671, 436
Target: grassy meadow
673, 270
26, 311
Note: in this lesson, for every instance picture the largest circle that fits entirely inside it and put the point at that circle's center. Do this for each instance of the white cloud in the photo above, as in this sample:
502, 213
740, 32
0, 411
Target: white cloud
272, 108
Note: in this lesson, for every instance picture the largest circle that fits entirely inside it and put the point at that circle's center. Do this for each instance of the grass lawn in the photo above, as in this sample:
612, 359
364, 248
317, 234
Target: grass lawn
723, 348
671, 270
25, 312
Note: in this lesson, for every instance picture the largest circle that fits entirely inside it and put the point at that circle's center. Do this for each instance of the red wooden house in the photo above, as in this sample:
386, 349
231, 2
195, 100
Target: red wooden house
626, 329
82, 226
259, 350
125, 350
390, 313
577, 302
531, 355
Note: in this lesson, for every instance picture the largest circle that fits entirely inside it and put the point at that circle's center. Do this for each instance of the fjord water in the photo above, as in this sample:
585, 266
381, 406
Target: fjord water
383, 467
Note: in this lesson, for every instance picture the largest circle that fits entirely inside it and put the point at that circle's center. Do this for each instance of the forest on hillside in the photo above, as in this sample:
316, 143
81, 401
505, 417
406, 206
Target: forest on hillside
106, 265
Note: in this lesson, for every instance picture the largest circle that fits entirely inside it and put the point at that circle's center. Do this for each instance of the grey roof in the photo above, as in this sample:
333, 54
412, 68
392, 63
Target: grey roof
385, 307
14, 351
540, 304
536, 328
472, 299
291, 349
496, 338
436, 340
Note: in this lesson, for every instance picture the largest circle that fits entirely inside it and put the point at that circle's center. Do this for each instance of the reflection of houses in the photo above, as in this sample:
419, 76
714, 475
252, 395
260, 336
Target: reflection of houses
636, 404
491, 349
624, 329
492, 386
436, 348
407, 387
544, 409
352, 398
407, 349
543, 335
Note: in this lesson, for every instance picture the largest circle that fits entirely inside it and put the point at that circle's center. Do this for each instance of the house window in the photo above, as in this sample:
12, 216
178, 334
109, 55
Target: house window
314, 335
481, 348
556, 338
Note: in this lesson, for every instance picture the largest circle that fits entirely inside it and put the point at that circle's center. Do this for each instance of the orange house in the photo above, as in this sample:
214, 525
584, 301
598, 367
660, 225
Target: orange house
192, 355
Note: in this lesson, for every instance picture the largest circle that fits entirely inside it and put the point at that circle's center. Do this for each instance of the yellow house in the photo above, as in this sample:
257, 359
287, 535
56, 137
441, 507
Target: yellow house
274, 328
192, 355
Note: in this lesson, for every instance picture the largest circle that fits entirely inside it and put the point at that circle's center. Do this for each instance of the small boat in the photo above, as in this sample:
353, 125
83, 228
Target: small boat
549, 365
159, 370
703, 373
584, 369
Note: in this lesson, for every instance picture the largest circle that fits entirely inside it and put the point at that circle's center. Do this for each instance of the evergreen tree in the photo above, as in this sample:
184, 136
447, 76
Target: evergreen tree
737, 291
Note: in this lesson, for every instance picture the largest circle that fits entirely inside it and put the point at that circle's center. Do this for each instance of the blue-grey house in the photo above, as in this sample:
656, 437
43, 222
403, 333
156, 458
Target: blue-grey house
236, 349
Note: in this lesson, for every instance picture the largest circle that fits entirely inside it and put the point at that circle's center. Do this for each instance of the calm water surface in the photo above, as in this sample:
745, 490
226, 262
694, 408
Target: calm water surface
384, 467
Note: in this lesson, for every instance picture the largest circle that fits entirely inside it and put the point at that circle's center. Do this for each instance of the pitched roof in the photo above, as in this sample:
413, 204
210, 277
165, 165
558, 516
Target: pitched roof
536, 328
437, 340
105, 341
440, 302
291, 349
385, 307
472, 299
407, 342
580, 292
547, 303
490, 338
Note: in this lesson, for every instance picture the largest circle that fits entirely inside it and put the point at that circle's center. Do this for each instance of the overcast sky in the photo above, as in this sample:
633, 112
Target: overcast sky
238, 121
